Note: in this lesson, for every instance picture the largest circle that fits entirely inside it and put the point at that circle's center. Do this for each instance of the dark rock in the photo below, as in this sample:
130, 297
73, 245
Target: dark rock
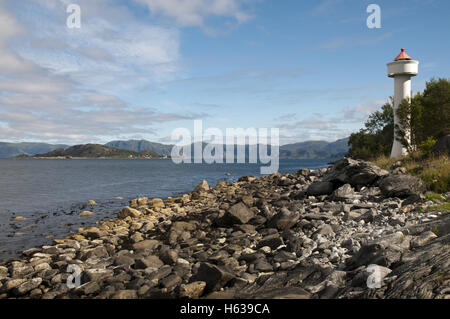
89, 288
273, 241
401, 186
249, 258
374, 254
284, 219
283, 256
171, 281
320, 188
412, 199
216, 277
161, 273
168, 256
368, 216
237, 214
263, 265
123, 261
149, 262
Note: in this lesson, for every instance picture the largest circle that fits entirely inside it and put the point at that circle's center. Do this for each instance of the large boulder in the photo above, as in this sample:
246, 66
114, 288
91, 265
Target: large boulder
354, 172
401, 186
442, 146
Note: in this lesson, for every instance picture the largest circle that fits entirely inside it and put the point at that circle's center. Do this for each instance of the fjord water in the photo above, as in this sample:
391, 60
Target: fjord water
51, 193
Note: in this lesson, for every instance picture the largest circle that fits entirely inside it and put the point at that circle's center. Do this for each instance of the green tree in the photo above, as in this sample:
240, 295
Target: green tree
435, 101
377, 136
426, 116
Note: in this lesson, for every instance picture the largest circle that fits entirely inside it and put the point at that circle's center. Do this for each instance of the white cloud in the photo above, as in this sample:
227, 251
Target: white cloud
61, 85
195, 12
326, 7
361, 112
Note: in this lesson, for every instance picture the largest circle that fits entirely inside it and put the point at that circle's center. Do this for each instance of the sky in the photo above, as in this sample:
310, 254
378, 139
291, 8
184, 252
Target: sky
139, 69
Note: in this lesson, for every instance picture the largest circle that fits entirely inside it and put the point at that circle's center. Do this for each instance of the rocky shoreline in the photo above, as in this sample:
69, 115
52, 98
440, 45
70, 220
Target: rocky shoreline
349, 231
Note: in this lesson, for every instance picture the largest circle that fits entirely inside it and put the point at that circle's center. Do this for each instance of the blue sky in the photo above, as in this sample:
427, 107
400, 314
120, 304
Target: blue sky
141, 68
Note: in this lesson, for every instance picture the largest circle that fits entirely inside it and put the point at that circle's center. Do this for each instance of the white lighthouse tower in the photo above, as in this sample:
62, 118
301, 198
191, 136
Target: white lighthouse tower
402, 69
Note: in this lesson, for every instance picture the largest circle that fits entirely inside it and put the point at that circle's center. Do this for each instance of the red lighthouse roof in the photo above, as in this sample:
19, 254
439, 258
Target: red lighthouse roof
403, 56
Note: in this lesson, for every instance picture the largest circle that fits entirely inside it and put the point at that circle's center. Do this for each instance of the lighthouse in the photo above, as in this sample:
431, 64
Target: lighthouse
402, 69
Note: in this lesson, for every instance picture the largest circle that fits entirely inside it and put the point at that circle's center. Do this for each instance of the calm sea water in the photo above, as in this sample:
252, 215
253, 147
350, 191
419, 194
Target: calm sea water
51, 193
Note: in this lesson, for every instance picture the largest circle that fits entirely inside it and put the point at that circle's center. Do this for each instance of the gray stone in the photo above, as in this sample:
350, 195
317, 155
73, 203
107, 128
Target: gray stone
354, 172
324, 230
423, 239
345, 192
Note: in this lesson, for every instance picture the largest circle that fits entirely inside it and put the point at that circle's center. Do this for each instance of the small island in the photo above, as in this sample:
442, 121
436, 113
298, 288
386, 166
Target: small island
97, 151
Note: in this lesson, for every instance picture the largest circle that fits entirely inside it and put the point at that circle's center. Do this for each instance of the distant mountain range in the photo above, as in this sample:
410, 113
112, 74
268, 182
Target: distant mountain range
142, 145
143, 148
94, 151
315, 149
13, 149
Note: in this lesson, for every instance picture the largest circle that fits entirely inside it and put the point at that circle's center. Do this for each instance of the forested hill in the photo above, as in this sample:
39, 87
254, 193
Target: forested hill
96, 151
